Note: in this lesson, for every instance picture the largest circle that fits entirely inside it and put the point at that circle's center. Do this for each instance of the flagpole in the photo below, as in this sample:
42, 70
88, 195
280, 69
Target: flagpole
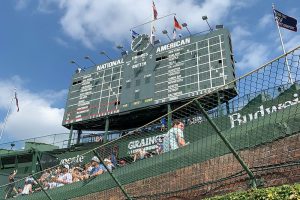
152, 21
282, 45
7, 114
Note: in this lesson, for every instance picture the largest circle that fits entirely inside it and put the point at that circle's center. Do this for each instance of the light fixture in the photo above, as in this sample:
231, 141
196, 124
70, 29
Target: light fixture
88, 58
78, 70
104, 53
185, 25
166, 33
123, 52
219, 26
205, 19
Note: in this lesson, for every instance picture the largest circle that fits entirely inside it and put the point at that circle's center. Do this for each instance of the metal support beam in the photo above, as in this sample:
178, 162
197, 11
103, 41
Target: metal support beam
227, 143
169, 117
219, 105
49, 197
34, 161
70, 136
113, 176
79, 133
105, 139
227, 108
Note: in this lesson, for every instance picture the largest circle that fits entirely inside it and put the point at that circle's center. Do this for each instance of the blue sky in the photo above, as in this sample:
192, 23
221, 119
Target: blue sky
39, 38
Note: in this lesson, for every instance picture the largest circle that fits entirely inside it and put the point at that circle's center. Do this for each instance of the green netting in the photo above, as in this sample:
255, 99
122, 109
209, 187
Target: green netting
258, 114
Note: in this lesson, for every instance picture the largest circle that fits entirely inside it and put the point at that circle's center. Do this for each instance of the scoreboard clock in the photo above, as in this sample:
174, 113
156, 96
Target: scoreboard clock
149, 78
140, 43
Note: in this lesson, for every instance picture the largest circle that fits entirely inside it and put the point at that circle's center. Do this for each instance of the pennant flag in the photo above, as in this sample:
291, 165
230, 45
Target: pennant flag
134, 34
17, 102
285, 21
174, 34
176, 24
154, 10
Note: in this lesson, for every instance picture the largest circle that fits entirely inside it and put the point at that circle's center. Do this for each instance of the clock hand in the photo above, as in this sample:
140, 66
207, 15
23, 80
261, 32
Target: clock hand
138, 44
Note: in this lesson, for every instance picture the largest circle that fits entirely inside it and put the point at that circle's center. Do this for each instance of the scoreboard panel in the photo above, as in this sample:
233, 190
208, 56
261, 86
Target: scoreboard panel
155, 75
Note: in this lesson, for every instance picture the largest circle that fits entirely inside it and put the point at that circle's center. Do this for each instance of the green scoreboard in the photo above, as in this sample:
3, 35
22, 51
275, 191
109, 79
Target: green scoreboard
149, 77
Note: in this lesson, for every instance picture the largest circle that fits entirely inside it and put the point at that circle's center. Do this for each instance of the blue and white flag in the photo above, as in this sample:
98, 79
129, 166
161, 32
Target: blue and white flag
134, 34
285, 21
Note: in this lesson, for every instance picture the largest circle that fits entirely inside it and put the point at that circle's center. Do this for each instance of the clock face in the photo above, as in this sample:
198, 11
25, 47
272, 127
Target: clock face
140, 43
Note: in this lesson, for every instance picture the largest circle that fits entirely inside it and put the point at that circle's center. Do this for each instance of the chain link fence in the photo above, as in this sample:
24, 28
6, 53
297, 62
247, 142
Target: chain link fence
239, 136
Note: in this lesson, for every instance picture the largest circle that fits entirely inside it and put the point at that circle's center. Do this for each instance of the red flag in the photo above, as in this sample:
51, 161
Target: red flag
17, 102
176, 24
154, 10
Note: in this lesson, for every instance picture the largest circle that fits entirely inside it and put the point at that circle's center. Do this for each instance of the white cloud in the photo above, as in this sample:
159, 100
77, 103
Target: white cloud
61, 42
266, 21
93, 22
254, 56
240, 37
293, 42
37, 116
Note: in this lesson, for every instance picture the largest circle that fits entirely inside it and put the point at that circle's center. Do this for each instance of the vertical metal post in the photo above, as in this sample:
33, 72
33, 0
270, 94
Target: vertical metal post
113, 176
79, 133
227, 143
169, 117
283, 49
227, 108
219, 105
34, 161
106, 129
70, 136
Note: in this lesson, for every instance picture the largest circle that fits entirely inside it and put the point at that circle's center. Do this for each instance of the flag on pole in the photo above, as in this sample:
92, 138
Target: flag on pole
152, 38
176, 24
285, 21
174, 34
17, 102
154, 10
134, 34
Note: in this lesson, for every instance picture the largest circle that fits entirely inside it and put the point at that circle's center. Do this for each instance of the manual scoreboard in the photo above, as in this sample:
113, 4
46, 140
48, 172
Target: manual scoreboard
149, 77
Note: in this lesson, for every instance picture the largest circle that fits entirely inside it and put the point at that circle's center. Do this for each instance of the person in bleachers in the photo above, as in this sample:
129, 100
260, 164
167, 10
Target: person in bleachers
140, 154
109, 164
163, 122
76, 174
11, 187
99, 139
29, 182
175, 137
97, 168
65, 177
52, 183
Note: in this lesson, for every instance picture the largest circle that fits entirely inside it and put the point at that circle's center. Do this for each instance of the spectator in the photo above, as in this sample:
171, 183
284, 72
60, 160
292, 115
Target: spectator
65, 177
45, 176
174, 138
163, 122
19, 192
159, 148
52, 183
97, 168
29, 182
76, 175
109, 164
11, 186
122, 163
140, 154
99, 139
